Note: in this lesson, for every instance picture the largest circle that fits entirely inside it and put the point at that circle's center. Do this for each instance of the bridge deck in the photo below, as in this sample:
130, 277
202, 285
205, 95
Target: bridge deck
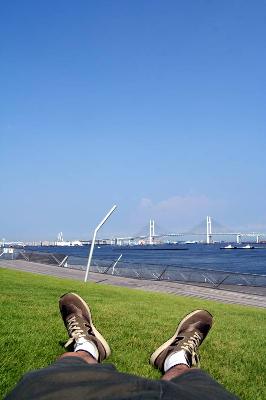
179, 289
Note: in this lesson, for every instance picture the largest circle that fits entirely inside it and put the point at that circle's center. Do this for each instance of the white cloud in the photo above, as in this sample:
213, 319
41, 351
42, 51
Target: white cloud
178, 204
256, 227
176, 211
145, 203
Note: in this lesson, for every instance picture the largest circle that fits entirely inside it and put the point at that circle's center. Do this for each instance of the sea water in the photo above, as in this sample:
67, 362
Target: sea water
202, 256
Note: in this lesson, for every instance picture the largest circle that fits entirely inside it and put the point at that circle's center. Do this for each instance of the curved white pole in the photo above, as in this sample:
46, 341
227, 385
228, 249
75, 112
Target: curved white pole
93, 240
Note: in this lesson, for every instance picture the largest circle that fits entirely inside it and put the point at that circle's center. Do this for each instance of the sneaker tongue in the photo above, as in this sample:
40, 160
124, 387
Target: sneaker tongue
73, 311
190, 332
69, 317
177, 339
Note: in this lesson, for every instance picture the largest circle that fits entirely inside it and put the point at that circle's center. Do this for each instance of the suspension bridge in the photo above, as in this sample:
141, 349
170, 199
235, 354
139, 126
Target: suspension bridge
208, 231
151, 237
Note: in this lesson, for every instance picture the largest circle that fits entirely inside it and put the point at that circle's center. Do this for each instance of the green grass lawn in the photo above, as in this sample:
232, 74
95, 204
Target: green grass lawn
134, 323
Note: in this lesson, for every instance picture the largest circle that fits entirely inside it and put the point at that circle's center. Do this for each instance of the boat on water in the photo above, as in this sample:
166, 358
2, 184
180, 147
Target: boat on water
229, 247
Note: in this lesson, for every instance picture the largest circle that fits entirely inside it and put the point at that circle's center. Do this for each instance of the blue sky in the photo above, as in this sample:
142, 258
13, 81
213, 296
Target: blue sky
156, 106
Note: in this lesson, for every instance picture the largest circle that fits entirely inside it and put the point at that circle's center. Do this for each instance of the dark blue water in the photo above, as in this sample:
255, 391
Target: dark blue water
196, 256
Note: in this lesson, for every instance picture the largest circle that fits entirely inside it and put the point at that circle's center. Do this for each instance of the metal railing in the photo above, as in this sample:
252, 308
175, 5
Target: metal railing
59, 260
217, 279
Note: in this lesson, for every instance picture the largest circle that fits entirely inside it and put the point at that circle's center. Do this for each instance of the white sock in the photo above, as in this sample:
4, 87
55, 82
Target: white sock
175, 358
86, 345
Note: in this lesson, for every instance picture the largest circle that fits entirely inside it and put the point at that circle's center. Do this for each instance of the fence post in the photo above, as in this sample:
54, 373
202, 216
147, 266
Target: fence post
161, 274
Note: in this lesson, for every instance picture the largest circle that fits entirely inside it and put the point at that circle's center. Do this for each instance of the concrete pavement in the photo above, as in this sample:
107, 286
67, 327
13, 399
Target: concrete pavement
180, 289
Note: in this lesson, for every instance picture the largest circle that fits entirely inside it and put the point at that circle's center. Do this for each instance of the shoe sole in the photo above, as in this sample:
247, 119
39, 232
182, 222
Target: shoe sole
96, 333
169, 341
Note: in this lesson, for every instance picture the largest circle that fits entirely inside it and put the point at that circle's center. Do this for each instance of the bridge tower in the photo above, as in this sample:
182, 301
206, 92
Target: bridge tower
60, 237
152, 231
209, 230
238, 238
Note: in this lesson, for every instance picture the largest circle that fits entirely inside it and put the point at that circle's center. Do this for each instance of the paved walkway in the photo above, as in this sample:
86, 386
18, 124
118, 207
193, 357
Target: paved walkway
222, 296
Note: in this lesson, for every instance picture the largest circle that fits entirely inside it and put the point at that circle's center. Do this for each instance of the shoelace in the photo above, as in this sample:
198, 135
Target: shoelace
74, 330
191, 345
